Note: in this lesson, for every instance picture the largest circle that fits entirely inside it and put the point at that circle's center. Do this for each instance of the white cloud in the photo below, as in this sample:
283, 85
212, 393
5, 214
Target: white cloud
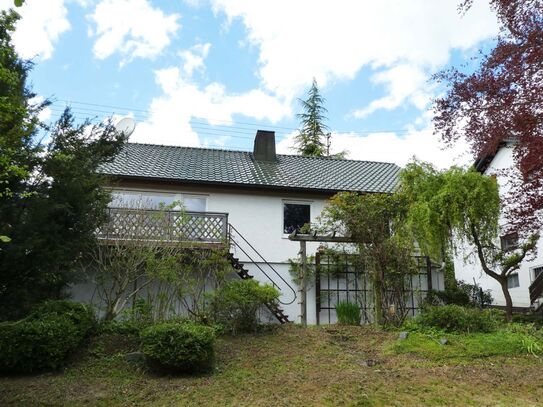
182, 100
46, 112
298, 40
40, 26
133, 28
194, 58
404, 83
393, 147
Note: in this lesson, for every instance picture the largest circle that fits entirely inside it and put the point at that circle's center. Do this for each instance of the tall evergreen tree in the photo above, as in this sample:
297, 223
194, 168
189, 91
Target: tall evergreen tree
311, 139
18, 123
51, 196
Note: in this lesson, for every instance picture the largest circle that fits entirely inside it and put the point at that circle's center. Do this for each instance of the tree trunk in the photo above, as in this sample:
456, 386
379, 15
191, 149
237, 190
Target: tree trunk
508, 300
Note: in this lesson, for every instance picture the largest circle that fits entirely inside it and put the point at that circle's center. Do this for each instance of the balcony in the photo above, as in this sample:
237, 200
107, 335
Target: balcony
164, 226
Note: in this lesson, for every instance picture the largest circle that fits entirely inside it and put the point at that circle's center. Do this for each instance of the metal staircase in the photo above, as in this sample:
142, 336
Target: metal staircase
239, 242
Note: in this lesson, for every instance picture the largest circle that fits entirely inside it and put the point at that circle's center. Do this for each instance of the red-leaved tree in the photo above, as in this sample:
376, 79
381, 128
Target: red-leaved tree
502, 100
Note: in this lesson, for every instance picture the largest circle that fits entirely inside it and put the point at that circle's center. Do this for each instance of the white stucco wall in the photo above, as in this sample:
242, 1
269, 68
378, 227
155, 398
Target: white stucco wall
471, 270
258, 216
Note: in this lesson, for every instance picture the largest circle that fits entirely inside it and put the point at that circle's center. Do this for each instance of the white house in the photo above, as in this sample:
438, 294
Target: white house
521, 281
255, 198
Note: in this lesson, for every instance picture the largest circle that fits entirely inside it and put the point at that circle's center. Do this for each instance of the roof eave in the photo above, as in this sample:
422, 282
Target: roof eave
238, 185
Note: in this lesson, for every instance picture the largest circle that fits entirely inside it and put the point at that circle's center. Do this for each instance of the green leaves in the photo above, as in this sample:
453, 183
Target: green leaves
455, 202
18, 3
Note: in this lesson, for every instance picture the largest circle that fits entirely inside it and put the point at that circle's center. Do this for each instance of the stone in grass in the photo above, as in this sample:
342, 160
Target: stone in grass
404, 335
136, 358
444, 341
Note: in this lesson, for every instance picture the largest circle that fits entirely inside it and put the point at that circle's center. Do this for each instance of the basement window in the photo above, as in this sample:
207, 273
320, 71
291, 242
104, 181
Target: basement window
512, 281
509, 242
295, 215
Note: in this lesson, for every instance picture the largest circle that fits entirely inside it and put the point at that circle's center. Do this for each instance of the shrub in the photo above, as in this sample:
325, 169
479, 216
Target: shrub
179, 347
44, 339
81, 315
462, 293
235, 304
454, 318
28, 346
348, 313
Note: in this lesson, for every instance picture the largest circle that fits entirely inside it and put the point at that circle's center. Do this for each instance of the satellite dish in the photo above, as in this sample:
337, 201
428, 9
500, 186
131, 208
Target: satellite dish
126, 126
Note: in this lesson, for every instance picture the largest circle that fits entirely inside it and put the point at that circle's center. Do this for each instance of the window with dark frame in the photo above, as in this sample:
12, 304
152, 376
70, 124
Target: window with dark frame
512, 281
295, 215
537, 271
509, 242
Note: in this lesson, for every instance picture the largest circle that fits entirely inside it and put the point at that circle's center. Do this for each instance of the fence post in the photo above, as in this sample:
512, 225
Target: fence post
303, 285
429, 272
318, 286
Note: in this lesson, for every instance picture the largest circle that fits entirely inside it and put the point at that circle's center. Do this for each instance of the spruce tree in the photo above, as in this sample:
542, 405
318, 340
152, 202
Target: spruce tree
310, 141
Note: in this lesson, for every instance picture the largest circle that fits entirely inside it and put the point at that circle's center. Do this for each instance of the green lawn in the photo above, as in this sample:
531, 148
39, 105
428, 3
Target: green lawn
320, 366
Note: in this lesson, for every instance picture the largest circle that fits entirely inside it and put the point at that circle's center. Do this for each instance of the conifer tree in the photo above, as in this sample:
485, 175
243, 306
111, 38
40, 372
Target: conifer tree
310, 141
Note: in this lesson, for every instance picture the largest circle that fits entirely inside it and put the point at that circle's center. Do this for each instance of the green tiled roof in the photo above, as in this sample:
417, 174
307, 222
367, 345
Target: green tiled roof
212, 166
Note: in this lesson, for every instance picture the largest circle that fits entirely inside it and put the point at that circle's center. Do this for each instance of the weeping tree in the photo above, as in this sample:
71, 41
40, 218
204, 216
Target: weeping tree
460, 208
384, 246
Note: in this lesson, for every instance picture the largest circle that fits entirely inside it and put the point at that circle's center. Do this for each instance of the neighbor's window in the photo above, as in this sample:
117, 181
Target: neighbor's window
509, 242
537, 271
512, 281
295, 215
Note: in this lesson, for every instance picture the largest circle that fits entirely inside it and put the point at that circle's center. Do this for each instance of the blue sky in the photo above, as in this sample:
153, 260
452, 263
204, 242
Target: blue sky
209, 73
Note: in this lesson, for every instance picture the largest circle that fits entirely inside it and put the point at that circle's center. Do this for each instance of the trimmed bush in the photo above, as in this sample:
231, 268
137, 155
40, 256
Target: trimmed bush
81, 315
348, 313
179, 347
235, 304
28, 346
43, 340
454, 318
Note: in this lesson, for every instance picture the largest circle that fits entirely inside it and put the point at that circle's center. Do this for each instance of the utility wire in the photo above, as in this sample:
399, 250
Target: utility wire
200, 125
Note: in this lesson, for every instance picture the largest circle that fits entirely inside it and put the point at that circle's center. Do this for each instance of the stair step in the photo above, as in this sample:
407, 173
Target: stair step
243, 273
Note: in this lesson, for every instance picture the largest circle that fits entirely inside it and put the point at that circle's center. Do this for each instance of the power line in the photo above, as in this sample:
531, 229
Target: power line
199, 123
68, 102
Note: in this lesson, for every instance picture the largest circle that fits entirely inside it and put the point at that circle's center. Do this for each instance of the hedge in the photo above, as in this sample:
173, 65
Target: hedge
179, 347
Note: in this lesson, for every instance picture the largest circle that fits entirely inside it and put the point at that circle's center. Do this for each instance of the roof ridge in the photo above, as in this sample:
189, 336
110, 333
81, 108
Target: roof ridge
250, 152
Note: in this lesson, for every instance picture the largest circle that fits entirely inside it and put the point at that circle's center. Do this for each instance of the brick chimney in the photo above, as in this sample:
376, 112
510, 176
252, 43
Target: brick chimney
264, 149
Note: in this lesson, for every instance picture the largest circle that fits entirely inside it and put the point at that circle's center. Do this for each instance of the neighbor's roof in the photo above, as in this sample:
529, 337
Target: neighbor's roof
227, 167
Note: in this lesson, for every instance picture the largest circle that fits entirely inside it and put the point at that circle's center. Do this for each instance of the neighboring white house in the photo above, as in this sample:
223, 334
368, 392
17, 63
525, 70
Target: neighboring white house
520, 281
262, 195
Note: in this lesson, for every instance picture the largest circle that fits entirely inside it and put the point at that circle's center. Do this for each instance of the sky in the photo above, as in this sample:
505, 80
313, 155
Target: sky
210, 73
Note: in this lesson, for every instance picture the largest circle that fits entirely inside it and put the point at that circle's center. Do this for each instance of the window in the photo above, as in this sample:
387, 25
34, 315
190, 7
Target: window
512, 281
509, 242
295, 215
194, 203
537, 271
143, 200
156, 200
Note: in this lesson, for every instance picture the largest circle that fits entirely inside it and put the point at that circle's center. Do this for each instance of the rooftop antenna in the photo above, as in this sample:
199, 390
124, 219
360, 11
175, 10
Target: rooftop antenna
126, 126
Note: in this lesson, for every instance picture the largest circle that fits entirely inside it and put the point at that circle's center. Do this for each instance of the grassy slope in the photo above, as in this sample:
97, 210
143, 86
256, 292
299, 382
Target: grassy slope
330, 366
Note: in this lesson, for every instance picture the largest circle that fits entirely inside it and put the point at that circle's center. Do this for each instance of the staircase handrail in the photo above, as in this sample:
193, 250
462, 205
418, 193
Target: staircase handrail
536, 288
263, 260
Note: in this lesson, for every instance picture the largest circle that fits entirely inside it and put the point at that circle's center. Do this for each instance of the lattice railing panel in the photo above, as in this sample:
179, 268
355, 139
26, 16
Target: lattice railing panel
169, 226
